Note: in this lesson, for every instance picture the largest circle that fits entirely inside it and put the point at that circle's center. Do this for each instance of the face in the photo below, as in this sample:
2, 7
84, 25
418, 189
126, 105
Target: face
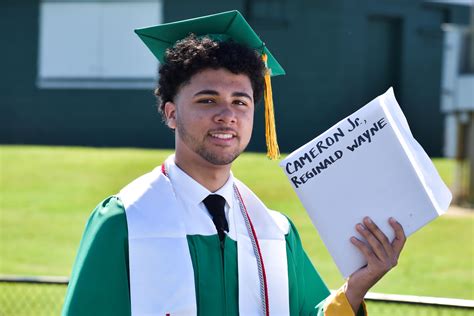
212, 116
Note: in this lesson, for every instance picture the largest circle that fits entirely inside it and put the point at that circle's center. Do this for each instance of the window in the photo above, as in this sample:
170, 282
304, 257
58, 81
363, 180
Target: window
91, 44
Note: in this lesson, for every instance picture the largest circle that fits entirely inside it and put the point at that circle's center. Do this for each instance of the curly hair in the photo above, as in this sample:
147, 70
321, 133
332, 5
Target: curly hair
194, 54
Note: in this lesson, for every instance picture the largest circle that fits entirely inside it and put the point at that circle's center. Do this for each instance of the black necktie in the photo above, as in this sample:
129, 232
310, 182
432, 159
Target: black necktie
215, 205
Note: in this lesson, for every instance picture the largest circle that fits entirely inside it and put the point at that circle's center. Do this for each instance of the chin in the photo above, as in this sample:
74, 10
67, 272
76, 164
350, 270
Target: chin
219, 158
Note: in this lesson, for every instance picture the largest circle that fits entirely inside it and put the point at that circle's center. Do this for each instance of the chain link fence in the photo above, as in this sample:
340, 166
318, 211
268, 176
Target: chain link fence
404, 305
376, 308
38, 296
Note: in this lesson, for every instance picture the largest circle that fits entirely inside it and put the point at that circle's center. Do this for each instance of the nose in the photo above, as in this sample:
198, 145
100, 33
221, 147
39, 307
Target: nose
226, 114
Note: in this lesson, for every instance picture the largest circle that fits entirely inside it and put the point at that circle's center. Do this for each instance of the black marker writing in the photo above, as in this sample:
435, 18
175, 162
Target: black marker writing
367, 135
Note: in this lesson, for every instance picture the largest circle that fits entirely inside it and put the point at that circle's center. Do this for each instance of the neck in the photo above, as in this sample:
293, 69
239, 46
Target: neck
212, 177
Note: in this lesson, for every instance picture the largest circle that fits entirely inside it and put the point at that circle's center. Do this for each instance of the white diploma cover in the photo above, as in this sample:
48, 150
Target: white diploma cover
368, 164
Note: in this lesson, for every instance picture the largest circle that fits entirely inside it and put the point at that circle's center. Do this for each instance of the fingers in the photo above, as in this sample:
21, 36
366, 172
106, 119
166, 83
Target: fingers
366, 251
400, 238
381, 254
379, 244
371, 234
381, 237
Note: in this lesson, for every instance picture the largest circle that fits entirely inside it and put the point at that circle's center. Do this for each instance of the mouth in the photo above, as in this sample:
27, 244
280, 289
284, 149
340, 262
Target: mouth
227, 134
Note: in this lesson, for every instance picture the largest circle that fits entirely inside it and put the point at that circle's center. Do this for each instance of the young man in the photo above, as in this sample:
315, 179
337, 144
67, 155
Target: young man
190, 239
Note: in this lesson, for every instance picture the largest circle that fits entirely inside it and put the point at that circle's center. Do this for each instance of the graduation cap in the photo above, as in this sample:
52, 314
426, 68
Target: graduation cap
221, 26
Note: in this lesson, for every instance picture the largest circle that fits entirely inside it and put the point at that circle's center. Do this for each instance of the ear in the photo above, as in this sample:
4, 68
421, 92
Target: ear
170, 114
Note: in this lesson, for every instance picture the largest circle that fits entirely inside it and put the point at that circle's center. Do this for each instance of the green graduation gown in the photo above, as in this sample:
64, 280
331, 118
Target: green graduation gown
99, 283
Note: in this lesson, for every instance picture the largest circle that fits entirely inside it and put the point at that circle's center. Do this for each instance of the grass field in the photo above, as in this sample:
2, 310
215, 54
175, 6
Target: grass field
47, 193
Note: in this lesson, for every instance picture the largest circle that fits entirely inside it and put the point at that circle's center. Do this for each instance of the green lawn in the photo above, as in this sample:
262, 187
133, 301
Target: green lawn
47, 194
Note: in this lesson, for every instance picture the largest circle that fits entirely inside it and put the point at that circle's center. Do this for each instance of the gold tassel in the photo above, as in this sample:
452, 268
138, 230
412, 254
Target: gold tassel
273, 152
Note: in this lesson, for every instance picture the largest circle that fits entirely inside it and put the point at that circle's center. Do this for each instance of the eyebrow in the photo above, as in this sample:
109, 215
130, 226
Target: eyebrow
214, 92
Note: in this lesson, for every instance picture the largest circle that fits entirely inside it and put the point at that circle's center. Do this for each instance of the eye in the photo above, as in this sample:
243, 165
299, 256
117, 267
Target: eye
206, 101
240, 102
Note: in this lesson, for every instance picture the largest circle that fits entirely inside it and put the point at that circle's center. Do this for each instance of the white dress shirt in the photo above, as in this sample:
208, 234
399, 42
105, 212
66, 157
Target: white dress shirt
190, 194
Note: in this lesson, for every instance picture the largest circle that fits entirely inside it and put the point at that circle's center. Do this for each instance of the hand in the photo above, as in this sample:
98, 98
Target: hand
381, 255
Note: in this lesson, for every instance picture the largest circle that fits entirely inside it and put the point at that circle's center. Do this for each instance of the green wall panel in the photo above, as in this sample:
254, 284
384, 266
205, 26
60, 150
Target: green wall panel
323, 45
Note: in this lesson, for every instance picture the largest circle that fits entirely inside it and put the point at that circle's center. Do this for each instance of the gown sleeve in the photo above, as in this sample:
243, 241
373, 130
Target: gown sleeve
314, 298
99, 283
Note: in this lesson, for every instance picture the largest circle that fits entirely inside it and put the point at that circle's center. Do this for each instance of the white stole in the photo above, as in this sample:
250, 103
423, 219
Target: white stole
161, 270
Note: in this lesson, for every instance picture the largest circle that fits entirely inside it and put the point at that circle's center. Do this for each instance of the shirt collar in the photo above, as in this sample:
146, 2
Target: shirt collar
186, 187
